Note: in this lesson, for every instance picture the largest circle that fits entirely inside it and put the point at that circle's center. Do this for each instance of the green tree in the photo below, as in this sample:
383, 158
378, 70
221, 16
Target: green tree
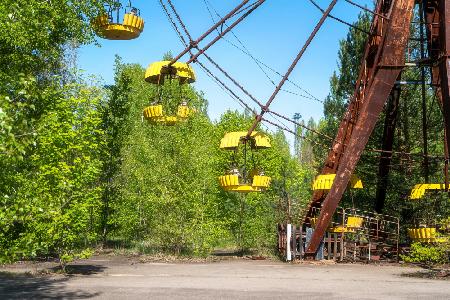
33, 34
165, 181
55, 209
50, 139
167, 192
33, 38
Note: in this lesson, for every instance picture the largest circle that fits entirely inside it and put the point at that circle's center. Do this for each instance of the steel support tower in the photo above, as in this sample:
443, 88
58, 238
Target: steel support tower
381, 67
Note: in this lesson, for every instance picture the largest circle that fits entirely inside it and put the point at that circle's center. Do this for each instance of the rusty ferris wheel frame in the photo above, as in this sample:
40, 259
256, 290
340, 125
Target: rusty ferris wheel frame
381, 66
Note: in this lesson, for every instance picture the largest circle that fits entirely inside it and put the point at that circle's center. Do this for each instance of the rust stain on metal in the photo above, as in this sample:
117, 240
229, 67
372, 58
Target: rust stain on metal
437, 17
371, 53
387, 146
383, 52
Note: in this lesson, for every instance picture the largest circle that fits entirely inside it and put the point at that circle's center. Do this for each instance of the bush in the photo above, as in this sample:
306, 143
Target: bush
427, 254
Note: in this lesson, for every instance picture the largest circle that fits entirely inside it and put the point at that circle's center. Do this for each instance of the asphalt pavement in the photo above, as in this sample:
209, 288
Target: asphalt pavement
115, 278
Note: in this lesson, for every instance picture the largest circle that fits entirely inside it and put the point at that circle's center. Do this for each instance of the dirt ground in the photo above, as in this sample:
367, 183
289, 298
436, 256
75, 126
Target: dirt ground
120, 277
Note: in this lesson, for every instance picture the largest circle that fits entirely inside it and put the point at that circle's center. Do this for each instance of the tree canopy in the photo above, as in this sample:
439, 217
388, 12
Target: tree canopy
81, 167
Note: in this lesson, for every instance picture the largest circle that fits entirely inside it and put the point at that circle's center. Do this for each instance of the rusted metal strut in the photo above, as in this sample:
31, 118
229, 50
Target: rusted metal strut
384, 164
383, 58
437, 16
232, 13
371, 53
224, 32
265, 108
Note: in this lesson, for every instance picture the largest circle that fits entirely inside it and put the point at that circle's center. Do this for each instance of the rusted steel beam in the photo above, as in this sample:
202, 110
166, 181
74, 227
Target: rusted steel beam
177, 15
379, 86
426, 168
387, 147
208, 32
366, 9
444, 71
371, 53
432, 20
223, 33
265, 108
437, 18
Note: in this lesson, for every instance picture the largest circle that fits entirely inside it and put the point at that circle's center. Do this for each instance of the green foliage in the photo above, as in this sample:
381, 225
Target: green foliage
168, 56
34, 36
51, 143
33, 33
54, 206
70, 256
16, 110
165, 183
115, 112
427, 254
166, 192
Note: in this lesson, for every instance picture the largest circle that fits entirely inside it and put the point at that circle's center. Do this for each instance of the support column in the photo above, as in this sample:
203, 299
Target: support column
387, 146
389, 66
444, 69
437, 17
368, 65
426, 168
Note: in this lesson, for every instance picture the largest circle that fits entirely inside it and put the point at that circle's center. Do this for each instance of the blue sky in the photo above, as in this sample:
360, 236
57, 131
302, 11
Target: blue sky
274, 33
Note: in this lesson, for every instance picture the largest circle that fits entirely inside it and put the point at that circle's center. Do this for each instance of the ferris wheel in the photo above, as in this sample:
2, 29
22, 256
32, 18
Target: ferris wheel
382, 63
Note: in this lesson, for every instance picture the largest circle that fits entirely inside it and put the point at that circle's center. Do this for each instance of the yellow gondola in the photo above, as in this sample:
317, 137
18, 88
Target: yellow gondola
157, 72
232, 182
155, 114
425, 235
253, 181
232, 140
110, 27
353, 224
324, 182
419, 190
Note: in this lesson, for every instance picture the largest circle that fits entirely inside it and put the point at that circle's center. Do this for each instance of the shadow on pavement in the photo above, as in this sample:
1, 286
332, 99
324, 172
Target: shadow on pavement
80, 269
429, 274
24, 286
